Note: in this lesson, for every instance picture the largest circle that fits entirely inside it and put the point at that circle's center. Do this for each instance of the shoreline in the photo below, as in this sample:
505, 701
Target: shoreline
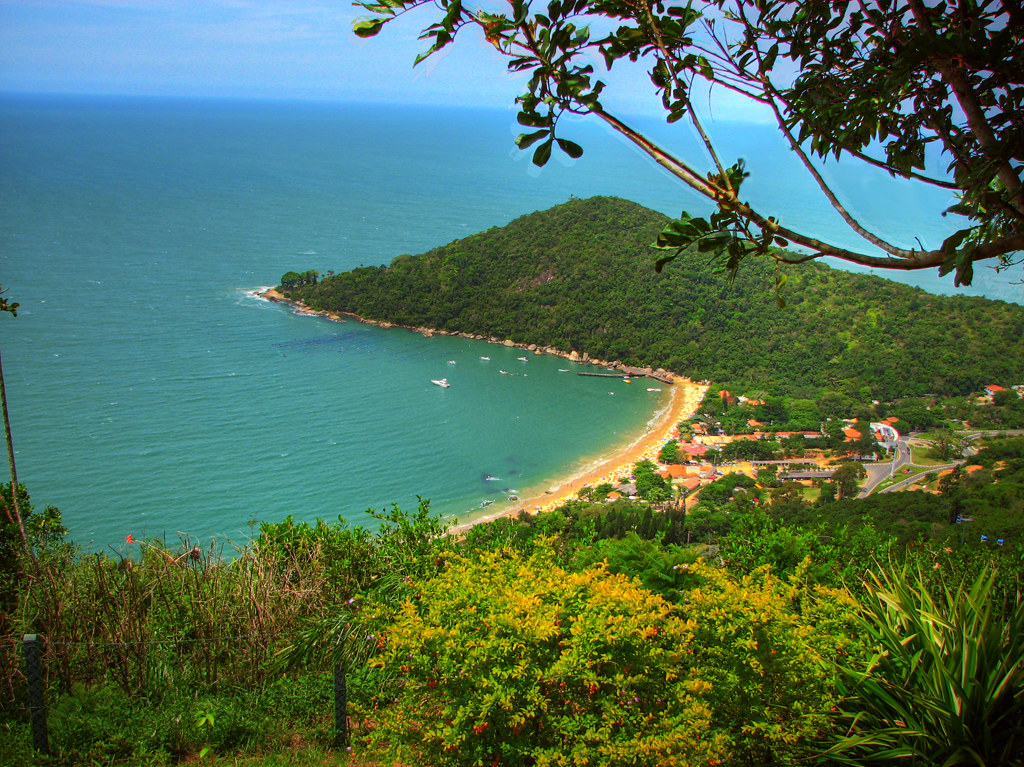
686, 396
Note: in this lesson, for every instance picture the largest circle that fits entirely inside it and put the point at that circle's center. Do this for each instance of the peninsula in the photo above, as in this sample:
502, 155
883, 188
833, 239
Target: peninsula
685, 396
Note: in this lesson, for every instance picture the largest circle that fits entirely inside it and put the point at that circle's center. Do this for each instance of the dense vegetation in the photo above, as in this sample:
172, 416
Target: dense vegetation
580, 277
740, 630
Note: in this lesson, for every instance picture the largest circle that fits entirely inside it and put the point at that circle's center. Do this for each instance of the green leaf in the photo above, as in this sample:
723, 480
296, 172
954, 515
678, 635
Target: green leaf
367, 27
660, 263
543, 153
525, 140
571, 148
706, 69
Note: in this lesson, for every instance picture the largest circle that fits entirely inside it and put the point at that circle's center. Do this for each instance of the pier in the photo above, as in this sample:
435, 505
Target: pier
624, 374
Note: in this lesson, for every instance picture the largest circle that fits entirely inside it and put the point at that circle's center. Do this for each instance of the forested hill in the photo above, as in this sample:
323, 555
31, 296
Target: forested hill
581, 276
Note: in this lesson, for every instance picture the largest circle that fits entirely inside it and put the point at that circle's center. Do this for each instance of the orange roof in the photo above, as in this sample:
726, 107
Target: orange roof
891, 420
676, 470
614, 495
691, 482
851, 433
995, 387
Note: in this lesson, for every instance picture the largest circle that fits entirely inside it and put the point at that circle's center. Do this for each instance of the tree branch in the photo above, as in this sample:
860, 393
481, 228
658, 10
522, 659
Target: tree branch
968, 100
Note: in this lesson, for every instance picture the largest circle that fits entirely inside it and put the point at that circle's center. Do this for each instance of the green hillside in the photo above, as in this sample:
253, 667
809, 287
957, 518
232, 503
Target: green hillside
580, 276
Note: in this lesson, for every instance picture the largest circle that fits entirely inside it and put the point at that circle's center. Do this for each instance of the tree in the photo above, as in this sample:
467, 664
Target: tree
670, 452
846, 478
878, 82
14, 516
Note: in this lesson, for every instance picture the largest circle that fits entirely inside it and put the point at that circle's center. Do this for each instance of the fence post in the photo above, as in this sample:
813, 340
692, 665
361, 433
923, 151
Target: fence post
37, 702
340, 704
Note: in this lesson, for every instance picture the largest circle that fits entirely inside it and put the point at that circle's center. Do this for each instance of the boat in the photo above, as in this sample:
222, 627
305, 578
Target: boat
503, 372
563, 370
451, 362
513, 497
485, 358
653, 388
627, 380
522, 359
440, 382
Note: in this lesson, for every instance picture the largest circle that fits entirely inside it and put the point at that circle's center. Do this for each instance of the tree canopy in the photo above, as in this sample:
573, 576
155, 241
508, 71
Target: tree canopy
878, 80
578, 277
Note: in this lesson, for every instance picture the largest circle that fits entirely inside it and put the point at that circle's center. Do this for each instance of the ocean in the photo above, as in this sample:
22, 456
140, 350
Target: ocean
152, 394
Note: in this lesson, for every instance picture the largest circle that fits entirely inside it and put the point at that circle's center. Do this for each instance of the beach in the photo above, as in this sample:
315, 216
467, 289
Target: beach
685, 398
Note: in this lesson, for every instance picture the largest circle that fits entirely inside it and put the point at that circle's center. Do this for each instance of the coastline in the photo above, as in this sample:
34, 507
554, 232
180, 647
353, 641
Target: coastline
685, 397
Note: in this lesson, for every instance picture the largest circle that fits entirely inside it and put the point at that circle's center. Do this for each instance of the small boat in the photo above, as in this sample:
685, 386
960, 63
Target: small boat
650, 388
522, 359
440, 382
513, 497
503, 372
451, 362
627, 380
485, 358
563, 370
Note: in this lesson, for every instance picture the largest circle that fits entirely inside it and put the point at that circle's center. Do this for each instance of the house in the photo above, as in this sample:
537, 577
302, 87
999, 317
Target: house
675, 470
690, 483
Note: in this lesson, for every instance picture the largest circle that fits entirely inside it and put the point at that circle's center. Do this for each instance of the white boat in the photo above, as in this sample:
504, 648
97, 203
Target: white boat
522, 359
451, 362
485, 358
563, 370
440, 382
652, 389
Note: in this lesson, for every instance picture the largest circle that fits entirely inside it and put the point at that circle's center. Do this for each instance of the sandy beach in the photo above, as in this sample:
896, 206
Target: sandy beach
685, 398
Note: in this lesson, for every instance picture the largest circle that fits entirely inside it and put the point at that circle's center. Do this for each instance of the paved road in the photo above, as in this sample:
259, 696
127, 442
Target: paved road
879, 472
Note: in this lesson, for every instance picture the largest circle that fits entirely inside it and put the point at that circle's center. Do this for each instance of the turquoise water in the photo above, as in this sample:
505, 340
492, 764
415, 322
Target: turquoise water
151, 394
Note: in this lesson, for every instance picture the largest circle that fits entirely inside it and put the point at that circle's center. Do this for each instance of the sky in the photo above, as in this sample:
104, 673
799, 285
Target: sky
302, 49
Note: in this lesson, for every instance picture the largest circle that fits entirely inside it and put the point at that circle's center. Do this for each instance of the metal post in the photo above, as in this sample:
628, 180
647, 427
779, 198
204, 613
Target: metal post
37, 704
340, 705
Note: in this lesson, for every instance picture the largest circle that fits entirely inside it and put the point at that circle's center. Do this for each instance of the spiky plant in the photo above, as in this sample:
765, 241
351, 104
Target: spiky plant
945, 684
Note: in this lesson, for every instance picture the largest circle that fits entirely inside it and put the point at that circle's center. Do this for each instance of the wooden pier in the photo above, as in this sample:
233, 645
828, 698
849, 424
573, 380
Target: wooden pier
626, 375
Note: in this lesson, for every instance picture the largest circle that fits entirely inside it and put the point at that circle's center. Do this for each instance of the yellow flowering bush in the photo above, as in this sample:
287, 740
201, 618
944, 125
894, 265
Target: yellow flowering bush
506, 659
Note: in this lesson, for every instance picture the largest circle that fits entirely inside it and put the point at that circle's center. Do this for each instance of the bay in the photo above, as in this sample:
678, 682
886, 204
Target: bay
151, 394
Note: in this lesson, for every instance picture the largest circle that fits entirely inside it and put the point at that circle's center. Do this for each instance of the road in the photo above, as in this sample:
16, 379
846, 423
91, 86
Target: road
879, 472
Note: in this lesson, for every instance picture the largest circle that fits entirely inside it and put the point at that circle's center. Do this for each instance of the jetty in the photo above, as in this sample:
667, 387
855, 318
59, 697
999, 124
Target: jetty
629, 372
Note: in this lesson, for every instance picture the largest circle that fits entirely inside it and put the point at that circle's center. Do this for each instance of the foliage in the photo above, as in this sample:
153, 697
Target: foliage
291, 280
877, 82
509, 660
946, 682
574, 278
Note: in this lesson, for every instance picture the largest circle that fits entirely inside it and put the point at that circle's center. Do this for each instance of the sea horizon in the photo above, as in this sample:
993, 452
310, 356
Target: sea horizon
150, 394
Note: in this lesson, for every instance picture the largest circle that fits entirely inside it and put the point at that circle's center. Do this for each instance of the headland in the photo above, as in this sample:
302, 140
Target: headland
685, 397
